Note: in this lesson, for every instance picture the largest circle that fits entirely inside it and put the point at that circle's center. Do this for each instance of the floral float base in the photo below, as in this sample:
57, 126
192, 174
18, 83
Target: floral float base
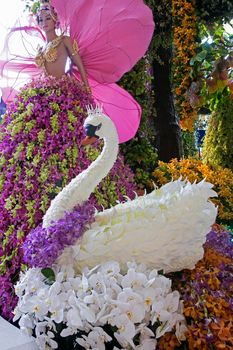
137, 307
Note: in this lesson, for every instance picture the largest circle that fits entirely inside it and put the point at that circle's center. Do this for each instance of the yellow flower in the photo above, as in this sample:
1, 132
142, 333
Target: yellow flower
196, 170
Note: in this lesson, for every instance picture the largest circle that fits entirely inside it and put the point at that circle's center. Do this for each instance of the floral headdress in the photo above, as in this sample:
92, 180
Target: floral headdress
44, 5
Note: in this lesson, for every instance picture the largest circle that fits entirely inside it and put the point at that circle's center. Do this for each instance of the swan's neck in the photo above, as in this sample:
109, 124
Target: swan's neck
81, 187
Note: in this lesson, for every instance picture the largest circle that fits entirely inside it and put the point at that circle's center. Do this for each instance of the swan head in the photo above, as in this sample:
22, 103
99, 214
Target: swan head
98, 126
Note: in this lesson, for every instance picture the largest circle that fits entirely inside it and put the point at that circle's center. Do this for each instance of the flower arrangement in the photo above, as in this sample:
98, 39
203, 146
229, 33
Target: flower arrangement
185, 34
40, 152
196, 170
207, 294
99, 306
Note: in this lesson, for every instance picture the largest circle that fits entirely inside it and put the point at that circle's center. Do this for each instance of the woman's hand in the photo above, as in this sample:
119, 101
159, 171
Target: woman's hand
87, 88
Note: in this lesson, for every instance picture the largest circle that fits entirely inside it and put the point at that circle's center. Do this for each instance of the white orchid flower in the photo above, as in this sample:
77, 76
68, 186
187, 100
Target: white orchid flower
148, 296
181, 329
86, 313
110, 268
17, 312
134, 279
57, 315
46, 341
73, 318
165, 307
52, 343
162, 329
55, 289
96, 339
163, 284
67, 270
147, 344
147, 338
97, 282
66, 332
26, 322
125, 327
41, 328
93, 298
132, 304
60, 276
34, 305
127, 344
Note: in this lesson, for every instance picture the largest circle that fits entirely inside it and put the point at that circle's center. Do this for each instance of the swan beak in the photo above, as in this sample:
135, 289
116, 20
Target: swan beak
89, 140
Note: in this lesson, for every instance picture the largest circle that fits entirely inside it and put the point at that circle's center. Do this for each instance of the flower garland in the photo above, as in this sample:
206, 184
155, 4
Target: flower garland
43, 246
196, 170
185, 34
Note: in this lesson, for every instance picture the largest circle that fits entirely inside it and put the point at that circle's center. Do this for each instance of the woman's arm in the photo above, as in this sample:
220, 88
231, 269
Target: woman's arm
72, 49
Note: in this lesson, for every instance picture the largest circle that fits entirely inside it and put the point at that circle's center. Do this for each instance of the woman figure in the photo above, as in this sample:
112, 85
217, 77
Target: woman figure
40, 135
53, 57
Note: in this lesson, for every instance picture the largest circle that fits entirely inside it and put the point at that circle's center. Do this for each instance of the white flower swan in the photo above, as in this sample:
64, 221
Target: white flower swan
164, 229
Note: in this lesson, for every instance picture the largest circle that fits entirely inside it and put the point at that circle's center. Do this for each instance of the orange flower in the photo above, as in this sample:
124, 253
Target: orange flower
185, 33
224, 330
168, 342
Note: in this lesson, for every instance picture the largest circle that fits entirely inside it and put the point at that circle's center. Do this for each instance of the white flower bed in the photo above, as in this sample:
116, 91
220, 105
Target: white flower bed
139, 305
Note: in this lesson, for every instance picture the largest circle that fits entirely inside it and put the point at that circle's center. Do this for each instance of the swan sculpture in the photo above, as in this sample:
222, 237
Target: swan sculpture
164, 229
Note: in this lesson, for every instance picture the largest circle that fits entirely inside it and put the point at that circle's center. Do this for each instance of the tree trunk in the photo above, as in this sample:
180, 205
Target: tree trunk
168, 133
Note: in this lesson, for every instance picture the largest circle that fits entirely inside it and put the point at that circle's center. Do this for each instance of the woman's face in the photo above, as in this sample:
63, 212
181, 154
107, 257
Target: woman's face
46, 22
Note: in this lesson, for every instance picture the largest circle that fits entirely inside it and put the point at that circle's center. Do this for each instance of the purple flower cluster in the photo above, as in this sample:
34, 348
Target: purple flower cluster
40, 152
220, 242
43, 246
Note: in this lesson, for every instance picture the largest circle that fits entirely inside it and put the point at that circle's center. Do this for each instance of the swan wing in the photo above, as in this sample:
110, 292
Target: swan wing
165, 229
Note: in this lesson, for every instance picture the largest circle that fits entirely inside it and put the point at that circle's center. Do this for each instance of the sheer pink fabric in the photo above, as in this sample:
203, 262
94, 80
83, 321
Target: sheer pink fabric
112, 35
8, 94
16, 61
21, 64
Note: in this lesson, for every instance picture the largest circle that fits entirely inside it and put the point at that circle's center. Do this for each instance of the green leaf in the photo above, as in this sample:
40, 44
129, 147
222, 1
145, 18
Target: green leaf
192, 61
201, 56
49, 274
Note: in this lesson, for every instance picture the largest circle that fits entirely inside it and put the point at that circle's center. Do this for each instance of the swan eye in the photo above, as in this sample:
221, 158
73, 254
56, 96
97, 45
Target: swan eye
90, 129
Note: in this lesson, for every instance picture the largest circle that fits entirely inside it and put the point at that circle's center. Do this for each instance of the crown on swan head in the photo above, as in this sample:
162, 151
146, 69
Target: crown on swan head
94, 110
